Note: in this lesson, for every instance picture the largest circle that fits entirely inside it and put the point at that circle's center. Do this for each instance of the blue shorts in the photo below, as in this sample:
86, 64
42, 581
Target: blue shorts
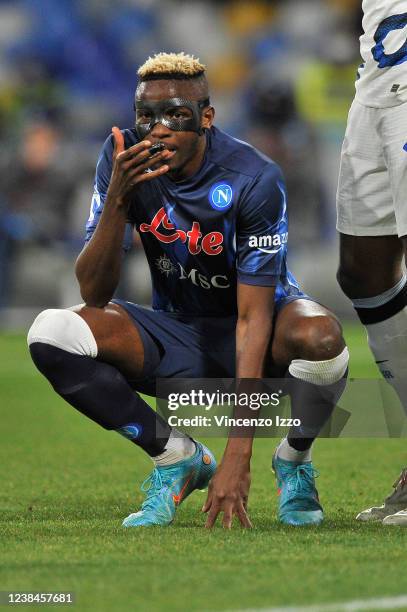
187, 346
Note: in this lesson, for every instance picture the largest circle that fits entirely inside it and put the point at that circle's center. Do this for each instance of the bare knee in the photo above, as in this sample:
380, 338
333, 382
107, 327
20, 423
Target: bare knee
117, 337
106, 323
369, 265
316, 338
356, 281
106, 333
110, 325
349, 281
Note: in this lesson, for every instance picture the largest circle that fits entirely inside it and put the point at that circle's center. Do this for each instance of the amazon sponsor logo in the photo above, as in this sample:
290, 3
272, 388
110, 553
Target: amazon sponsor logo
271, 243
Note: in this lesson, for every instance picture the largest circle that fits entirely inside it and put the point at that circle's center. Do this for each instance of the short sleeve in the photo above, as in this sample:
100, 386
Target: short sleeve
101, 185
262, 230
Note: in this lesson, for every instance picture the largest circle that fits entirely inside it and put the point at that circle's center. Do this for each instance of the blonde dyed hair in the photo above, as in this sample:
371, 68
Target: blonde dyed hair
181, 65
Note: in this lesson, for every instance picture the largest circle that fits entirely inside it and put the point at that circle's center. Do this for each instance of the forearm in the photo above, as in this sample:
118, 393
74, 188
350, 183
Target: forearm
252, 341
99, 264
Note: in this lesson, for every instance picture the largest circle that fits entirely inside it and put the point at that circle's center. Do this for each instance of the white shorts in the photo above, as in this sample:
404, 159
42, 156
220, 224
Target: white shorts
372, 189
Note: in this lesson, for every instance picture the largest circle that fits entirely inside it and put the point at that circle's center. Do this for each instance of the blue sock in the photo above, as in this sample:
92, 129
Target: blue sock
99, 391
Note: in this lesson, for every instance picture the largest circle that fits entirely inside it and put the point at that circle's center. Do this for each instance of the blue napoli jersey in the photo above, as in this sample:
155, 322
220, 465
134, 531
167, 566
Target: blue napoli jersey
202, 235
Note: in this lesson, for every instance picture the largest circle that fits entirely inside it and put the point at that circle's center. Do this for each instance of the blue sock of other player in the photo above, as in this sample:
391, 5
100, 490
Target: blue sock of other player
63, 348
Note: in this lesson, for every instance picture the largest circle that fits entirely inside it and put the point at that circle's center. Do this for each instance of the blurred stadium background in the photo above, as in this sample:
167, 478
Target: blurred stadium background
282, 75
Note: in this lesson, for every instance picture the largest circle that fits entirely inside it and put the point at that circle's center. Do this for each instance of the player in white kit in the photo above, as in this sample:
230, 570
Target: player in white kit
372, 207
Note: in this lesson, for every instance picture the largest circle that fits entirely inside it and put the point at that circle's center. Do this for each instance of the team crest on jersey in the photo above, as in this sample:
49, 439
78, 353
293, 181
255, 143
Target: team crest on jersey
165, 265
221, 196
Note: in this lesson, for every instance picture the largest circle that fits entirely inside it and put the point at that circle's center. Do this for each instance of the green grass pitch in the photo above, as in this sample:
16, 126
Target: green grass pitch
66, 484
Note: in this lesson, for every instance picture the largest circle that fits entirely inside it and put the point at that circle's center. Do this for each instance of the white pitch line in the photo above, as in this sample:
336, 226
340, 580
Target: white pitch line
385, 603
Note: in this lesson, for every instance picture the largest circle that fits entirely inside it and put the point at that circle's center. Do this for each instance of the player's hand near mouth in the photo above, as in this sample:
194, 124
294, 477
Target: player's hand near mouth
98, 266
129, 166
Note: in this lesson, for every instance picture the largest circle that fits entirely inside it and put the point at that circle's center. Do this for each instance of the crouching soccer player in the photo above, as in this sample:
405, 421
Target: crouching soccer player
224, 304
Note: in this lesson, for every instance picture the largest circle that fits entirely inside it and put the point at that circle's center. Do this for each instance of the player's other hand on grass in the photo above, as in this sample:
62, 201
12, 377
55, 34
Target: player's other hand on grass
229, 492
130, 165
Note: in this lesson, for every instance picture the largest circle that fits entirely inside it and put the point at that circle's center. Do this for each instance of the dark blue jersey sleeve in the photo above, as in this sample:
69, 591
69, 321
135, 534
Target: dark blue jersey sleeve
262, 230
101, 185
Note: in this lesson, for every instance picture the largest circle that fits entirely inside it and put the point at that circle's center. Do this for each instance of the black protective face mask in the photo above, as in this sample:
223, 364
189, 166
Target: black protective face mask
162, 111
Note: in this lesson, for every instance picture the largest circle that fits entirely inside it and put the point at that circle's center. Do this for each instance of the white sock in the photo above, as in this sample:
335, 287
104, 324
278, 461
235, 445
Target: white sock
178, 448
388, 343
288, 453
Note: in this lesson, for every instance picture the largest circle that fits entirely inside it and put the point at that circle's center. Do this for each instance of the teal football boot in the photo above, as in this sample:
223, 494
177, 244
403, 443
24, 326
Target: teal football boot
299, 502
167, 487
